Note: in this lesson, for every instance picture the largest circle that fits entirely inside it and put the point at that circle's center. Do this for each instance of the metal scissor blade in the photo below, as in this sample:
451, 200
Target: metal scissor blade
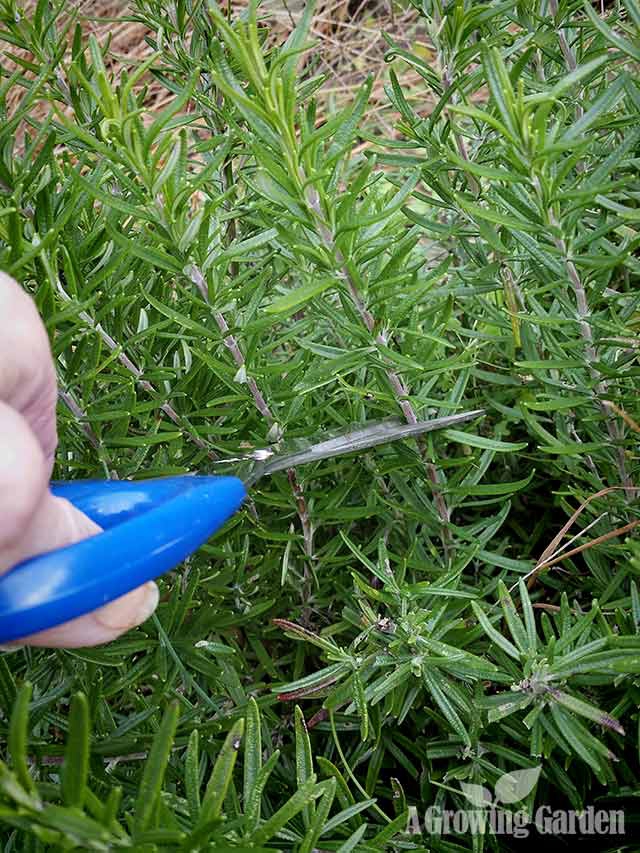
354, 440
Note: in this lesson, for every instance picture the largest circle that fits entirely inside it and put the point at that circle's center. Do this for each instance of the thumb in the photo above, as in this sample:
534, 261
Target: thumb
33, 521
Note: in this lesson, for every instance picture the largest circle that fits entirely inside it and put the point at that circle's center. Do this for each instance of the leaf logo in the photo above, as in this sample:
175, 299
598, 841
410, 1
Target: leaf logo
477, 795
516, 785
510, 788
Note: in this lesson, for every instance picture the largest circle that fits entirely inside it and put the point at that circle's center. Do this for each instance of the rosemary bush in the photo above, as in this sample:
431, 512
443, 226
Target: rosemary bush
245, 267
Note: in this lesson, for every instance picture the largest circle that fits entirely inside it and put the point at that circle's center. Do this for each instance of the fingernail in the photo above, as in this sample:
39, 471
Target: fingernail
130, 610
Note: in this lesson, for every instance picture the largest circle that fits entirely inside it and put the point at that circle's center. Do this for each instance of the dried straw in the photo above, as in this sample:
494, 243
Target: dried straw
348, 36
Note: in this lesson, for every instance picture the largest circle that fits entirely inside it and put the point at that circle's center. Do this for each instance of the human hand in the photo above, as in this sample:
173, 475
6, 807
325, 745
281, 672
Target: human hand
32, 521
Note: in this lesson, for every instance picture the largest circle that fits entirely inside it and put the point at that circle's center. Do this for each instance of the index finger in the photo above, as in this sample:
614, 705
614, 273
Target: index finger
27, 372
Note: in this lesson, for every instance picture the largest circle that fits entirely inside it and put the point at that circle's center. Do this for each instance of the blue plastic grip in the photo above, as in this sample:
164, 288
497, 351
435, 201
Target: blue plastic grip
149, 527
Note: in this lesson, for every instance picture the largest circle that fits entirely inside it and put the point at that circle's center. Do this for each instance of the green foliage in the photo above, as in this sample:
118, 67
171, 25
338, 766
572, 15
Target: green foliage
158, 817
239, 268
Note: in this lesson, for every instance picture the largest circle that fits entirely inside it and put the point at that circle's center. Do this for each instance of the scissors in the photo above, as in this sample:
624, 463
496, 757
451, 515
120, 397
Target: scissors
150, 526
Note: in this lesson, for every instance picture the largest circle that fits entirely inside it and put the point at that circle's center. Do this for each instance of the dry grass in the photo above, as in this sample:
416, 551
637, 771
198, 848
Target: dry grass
349, 43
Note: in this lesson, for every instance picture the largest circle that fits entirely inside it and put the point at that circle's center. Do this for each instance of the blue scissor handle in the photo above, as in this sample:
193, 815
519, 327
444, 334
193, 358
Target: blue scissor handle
149, 527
